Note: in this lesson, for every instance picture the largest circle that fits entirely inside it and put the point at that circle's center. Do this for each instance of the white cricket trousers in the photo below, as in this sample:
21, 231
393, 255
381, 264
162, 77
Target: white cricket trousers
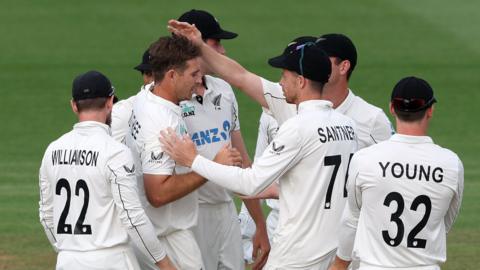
326, 261
114, 258
181, 248
218, 235
365, 266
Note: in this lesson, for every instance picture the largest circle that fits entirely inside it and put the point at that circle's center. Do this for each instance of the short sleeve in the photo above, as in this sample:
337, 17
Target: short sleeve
278, 106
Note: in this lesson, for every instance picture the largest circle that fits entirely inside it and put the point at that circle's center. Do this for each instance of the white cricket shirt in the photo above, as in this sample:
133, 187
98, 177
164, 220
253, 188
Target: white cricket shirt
372, 124
88, 194
210, 120
267, 130
404, 195
311, 150
121, 113
152, 114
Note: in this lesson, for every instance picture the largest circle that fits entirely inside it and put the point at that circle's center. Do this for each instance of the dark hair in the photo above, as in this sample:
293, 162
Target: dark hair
171, 52
317, 86
338, 60
410, 116
90, 104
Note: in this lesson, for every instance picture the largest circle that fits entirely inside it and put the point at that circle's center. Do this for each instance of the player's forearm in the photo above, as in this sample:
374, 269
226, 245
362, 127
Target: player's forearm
174, 188
255, 209
339, 264
234, 73
243, 181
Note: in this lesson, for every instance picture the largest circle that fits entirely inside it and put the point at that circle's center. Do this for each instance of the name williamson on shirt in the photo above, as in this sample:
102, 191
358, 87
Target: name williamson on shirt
336, 133
75, 157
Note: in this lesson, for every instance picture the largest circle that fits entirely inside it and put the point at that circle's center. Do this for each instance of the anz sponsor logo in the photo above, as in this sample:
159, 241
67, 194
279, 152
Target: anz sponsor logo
212, 135
187, 109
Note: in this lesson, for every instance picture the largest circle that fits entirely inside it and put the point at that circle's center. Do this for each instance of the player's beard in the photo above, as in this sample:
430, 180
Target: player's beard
108, 121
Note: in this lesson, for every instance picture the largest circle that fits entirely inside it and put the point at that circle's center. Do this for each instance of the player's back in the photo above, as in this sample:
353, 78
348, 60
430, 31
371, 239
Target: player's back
407, 185
76, 167
312, 190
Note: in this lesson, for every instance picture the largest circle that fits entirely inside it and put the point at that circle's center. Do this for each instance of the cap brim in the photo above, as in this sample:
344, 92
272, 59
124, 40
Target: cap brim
143, 67
223, 35
278, 62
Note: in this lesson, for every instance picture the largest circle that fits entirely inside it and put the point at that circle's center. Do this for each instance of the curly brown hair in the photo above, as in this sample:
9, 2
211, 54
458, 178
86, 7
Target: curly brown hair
171, 52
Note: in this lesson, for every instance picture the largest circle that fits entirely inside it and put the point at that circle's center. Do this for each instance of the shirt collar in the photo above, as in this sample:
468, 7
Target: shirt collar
92, 125
410, 139
315, 104
163, 102
345, 105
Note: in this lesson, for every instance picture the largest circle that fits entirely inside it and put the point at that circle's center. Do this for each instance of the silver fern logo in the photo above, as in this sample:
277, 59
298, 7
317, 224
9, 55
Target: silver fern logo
216, 102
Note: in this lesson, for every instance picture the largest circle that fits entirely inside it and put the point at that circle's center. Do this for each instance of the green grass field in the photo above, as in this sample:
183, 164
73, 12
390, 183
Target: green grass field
44, 44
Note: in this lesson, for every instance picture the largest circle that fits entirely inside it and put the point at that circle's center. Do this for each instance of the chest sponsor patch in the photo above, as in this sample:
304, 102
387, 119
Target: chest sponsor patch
212, 135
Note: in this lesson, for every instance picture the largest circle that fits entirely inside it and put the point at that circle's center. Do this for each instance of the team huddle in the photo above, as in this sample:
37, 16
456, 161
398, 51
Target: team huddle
148, 182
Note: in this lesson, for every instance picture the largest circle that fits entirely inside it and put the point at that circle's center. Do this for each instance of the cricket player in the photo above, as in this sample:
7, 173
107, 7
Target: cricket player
122, 110
212, 120
309, 155
404, 193
168, 191
89, 204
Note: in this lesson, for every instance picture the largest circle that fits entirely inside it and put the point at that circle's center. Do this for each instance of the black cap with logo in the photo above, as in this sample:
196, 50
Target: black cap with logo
206, 24
303, 56
412, 94
339, 45
91, 84
145, 65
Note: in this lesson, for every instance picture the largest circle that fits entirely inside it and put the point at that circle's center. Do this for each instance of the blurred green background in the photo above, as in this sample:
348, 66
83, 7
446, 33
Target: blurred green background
45, 44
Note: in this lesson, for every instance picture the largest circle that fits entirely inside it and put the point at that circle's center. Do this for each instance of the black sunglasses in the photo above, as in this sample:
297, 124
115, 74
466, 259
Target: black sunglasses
412, 104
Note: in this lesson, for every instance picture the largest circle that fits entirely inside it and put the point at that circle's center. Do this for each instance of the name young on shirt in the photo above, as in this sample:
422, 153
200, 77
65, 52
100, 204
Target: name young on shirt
411, 171
336, 133
75, 157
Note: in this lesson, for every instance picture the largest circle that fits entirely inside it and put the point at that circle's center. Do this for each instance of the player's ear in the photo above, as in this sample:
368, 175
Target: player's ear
344, 67
429, 112
74, 106
392, 110
301, 81
109, 103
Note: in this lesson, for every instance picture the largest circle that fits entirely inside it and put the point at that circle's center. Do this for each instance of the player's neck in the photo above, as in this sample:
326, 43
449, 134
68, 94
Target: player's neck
165, 92
336, 93
92, 116
412, 129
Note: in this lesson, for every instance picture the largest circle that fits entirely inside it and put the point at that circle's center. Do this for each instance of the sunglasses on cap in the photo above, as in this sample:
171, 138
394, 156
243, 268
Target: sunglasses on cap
301, 48
412, 104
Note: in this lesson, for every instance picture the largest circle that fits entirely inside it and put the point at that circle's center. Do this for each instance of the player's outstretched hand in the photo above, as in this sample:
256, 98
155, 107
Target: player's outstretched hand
180, 149
185, 29
229, 156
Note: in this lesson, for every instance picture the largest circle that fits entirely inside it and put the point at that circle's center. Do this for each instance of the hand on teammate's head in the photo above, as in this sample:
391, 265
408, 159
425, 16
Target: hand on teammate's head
186, 30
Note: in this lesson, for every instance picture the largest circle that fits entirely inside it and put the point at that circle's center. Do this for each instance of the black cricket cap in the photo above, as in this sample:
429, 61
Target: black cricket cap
412, 94
92, 84
145, 65
339, 45
206, 24
303, 56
